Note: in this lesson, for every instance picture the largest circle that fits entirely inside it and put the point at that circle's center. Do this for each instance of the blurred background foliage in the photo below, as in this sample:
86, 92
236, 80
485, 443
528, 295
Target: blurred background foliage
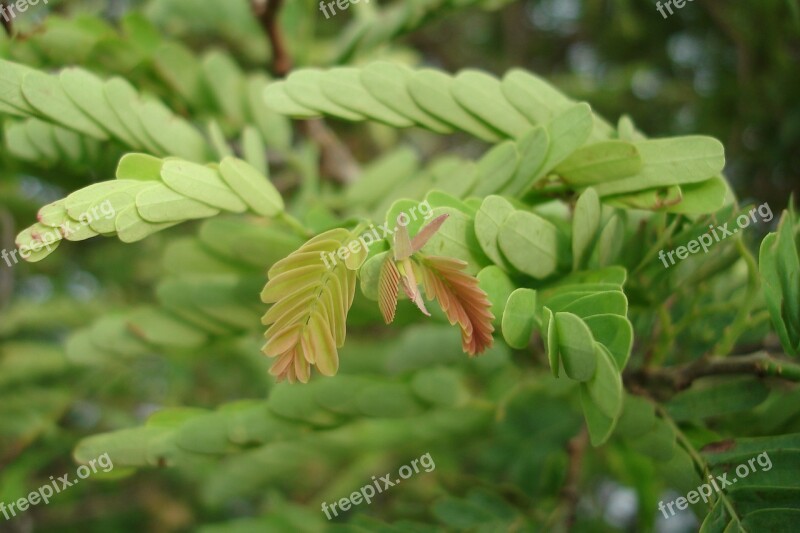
726, 69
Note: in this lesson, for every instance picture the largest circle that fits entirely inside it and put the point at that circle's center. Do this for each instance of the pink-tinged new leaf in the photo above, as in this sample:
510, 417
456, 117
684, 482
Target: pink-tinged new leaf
311, 301
425, 234
402, 243
410, 285
461, 299
388, 284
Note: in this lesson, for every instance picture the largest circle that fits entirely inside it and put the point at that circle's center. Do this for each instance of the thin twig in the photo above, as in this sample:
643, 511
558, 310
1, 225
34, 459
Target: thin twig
570, 492
6, 19
336, 160
267, 13
760, 364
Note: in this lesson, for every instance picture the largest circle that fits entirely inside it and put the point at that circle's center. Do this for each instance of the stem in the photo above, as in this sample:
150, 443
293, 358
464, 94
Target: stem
702, 466
267, 13
296, 225
570, 493
760, 364
8, 23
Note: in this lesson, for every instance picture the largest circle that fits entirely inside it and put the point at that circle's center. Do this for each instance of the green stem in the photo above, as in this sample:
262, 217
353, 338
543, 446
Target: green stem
700, 463
296, 225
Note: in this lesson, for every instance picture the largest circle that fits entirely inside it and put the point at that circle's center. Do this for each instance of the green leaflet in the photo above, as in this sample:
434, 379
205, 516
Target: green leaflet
175, 136
274, 128
600, 425
615, 332
533, 97
19, 144
601, 162
131, 227
201, 183
276, 99
585, 226
218, 142
387, 82
432, 92
567, 132
519, 318
162, 329
779, 266
44, 93
252, 187
305, 87
498, 287
11, 98
175, 63
159, 203
668, 162
488, 220
253, 150
532, 147
37, 242
343, 86
496, 168
529, 242
226, 82
481, 94
576, 347
141, 167
605, 386
87, 92
123, 99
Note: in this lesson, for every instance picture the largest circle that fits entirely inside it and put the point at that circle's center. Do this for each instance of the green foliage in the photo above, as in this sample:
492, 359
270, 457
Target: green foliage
536, 224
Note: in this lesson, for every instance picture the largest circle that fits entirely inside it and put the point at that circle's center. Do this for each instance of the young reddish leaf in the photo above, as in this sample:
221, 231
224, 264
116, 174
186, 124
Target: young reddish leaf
461, 300
410, 285
425, 234
388, 284
402, 243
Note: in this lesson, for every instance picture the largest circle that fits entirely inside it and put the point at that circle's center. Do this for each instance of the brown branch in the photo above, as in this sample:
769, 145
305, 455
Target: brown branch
267, 13
6, 19
760, 364
570, 492
336, 160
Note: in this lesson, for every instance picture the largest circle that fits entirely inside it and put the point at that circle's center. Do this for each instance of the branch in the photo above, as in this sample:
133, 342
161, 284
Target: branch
760, 364
336, 160
267, 13
7, 22
570, 492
